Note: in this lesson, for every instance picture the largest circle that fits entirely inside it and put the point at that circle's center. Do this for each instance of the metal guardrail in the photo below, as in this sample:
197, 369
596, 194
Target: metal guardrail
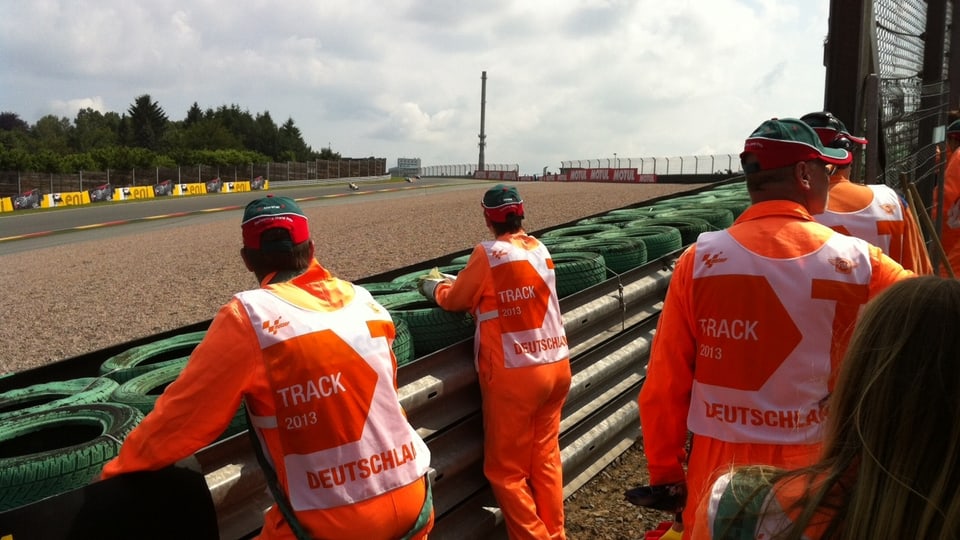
609, 329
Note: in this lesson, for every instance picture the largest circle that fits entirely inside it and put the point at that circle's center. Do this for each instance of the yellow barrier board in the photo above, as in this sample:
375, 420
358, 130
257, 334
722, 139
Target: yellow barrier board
6, 205
131, 193
73, 198
190, 189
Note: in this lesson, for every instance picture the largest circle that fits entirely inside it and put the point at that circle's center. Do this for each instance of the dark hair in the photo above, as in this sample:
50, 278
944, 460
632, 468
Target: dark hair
269, 259
889, 465
513, 224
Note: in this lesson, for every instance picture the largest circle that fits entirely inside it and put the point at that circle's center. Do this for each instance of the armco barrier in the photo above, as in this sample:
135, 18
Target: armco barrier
609, 327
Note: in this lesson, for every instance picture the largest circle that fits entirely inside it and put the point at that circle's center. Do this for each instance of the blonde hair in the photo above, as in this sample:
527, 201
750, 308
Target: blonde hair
889, 467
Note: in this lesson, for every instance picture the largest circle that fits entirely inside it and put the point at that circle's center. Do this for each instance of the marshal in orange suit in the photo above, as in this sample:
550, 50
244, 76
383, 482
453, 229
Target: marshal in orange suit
522, 360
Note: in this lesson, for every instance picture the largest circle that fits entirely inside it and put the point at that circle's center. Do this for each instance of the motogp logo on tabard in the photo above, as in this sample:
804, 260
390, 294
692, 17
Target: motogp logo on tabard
887, 208
711, 259
842, 265
498, 253
275, 326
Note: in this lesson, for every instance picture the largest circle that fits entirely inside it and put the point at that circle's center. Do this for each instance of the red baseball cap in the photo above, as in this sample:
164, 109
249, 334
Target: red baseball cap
274, 213
500, 201
781, 142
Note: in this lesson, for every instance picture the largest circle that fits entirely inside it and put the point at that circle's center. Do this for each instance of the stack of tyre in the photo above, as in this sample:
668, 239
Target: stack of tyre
58, 435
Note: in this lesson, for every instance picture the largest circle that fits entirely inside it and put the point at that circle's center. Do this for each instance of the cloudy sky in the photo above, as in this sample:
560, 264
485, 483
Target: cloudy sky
566, 79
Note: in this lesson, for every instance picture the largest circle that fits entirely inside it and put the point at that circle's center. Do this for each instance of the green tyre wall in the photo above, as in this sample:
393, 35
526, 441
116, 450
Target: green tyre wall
390, 300
642, 211
403, 343
553, 241
380, 288
579, 231
620, 254
659, 240
736, 207
461, 260
142, 391
138, 360
45, 396
718, 218
608, 219
577, 270
689, 227
50, 452
432, 327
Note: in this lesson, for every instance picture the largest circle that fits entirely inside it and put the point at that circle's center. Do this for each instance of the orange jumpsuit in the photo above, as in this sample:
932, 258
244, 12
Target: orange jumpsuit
523, 366
950, 228
878, 215
322, 397
755, 321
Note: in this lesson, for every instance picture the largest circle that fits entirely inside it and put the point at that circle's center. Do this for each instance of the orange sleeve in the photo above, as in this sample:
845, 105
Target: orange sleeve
886, 271
915, 256
665, 396
465, 292
199, 405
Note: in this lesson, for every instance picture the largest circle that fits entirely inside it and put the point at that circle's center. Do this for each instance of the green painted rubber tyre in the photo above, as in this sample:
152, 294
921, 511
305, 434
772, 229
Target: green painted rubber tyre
382, 288
142, 392
689, 227
578, 270
579, 231
45, 396
735, 187
390, 300
432, 327
461, 259
552, 241
718, 218
735, 206
403, 344
609, 219
620, 254
694, 199
50, 452
138, 360
643, 211
660, 240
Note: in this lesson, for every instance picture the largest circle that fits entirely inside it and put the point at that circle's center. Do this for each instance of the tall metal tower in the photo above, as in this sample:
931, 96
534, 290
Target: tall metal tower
483, 110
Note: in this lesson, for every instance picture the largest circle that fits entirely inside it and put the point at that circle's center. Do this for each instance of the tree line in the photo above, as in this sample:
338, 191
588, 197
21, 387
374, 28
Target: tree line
144, 137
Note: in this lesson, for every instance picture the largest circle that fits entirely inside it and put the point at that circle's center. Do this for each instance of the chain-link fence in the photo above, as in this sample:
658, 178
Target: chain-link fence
907, 102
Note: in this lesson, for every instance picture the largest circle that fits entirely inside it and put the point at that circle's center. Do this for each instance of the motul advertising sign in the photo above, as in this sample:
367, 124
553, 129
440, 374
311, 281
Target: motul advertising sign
510, 176
628, 176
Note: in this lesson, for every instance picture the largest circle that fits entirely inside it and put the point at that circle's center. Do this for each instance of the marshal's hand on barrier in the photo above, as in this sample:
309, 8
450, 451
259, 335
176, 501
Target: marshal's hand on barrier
427, 284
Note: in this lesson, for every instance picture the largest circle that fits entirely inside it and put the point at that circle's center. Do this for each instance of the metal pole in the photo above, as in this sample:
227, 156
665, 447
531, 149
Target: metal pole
483, 111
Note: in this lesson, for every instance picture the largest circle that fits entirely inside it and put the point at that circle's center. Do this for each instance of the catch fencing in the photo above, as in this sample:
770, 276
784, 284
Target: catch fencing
13, 183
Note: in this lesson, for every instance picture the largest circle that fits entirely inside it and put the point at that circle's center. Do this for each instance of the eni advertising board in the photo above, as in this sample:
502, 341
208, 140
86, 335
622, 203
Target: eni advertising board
126, 193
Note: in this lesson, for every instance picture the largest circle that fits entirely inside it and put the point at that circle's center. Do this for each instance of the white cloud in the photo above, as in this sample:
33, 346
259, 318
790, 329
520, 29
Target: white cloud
567, 79
70, 108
